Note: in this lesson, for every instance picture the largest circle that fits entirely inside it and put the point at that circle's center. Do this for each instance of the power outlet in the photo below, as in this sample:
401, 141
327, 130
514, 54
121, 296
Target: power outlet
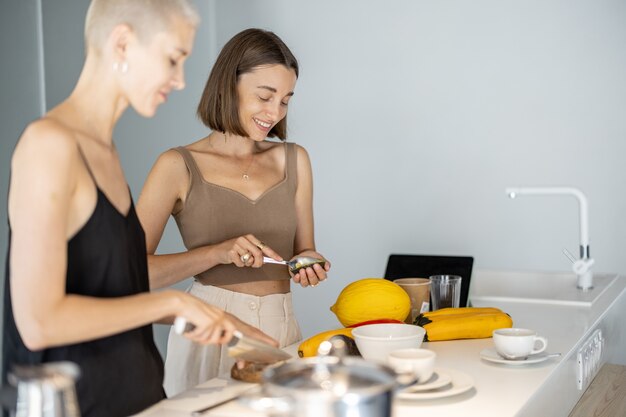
589, 359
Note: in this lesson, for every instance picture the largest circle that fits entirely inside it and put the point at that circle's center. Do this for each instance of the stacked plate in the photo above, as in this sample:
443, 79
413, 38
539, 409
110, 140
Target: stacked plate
443, 383
490, 355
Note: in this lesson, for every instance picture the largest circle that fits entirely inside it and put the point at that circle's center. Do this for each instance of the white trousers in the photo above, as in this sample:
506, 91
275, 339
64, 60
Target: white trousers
188, 364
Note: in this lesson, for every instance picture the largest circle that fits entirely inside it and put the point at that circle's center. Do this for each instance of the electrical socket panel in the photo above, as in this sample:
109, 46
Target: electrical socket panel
589, 359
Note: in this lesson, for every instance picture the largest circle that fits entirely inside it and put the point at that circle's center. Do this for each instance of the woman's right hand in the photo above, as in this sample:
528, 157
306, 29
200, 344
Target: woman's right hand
244, 251
211, 325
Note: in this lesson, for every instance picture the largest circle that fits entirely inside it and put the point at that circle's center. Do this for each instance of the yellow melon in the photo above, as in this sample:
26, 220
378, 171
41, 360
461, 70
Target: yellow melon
371, 299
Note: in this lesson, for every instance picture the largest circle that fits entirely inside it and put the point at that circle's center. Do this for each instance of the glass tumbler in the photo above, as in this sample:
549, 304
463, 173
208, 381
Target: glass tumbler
445, 291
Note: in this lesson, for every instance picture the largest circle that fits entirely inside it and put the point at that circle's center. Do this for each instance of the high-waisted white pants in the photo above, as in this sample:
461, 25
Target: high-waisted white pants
188, 364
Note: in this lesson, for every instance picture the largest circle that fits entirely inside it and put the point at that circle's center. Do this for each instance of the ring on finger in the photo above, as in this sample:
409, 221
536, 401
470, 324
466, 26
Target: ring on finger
315, 285
261, 245
245, 257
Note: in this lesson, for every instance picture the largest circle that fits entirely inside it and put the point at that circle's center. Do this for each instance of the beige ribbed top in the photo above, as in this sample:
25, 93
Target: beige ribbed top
212, 214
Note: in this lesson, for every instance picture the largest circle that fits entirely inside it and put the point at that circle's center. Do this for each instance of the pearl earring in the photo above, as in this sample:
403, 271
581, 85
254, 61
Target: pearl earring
121, 67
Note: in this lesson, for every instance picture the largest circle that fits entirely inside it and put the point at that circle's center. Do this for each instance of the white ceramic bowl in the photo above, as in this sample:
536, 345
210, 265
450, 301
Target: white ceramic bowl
376, 341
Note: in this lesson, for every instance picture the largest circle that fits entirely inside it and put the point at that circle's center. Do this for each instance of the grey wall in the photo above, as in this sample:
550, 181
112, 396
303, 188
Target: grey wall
19, 83
63, 26
416, 115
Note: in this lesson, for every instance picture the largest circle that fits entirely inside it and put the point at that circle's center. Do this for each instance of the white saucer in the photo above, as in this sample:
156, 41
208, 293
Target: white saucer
437, 380
459, 383
491, 355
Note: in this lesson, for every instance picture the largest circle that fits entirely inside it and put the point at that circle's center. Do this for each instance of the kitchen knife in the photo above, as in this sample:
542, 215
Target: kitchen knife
242, 347
248, 349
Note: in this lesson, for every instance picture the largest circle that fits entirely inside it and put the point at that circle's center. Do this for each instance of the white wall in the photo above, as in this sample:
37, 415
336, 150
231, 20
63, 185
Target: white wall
416, 115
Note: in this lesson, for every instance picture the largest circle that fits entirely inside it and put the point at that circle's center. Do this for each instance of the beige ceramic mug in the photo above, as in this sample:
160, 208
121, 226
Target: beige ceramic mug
418, 290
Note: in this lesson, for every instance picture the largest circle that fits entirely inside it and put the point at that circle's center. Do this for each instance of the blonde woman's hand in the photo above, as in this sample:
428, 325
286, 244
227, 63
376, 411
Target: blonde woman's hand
314, 274
246, 251
210, 325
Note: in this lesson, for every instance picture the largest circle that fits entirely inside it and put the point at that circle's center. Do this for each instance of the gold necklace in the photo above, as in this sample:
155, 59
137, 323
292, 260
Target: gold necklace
245, 175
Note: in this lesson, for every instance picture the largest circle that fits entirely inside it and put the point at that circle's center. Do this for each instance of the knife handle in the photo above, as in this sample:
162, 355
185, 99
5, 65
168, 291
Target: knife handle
182, 326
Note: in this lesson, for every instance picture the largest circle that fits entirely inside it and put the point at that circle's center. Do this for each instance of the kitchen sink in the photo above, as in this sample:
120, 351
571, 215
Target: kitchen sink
535, 287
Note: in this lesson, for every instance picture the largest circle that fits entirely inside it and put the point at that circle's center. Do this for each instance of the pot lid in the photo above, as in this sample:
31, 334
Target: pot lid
57, 374
331, 376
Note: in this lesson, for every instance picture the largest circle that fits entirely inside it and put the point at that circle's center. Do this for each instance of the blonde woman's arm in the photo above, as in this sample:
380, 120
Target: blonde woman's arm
45, 203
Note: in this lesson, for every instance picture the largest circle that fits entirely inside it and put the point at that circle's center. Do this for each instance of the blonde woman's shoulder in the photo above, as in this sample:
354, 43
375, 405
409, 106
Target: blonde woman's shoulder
45, 138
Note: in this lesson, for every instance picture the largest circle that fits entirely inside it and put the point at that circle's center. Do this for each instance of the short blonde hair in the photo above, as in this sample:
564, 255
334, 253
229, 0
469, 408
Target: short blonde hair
145, 17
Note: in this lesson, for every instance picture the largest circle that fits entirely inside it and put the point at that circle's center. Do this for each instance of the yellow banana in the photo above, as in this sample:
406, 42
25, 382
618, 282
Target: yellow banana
461, 310
464, 326
309, 346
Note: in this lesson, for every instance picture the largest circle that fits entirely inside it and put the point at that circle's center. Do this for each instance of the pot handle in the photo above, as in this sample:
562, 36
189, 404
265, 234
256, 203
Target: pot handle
264, 403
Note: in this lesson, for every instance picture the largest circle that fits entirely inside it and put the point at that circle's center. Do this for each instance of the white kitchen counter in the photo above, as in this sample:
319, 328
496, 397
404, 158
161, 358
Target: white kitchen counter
543, 389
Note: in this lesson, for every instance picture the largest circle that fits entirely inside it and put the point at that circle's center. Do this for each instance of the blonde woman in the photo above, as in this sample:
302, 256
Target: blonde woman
77, 278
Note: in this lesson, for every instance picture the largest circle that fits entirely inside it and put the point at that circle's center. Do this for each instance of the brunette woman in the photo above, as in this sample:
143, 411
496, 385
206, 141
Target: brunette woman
236, 198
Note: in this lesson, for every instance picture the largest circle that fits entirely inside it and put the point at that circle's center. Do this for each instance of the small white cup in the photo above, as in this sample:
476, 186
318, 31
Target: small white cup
419, 361
515, 343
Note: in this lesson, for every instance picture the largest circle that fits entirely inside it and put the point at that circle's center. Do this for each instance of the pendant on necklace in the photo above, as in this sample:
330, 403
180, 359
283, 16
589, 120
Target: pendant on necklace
246, 177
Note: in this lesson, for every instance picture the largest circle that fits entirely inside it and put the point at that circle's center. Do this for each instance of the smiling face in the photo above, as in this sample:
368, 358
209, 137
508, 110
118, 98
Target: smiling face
264, 95
155, 67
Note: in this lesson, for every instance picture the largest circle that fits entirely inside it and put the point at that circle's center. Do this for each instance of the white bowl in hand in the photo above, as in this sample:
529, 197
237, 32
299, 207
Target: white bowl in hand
376, 341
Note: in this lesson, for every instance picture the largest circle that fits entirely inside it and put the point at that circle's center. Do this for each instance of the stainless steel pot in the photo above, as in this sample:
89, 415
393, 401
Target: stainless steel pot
328, 386
46, 390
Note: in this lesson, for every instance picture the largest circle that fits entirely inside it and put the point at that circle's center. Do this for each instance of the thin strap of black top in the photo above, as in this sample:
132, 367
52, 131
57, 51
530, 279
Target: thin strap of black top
82, 156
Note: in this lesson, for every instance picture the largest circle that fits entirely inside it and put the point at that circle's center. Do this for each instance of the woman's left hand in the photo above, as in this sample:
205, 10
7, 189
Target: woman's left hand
314, 274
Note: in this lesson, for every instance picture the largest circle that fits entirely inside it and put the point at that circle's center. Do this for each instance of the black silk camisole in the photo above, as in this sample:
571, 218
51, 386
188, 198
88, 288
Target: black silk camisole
120, 374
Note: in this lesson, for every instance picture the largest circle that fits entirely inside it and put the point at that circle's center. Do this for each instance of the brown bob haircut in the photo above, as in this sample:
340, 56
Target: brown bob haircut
219, 105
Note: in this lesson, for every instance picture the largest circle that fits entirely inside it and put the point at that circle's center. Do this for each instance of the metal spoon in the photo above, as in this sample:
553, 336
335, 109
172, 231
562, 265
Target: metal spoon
297, 263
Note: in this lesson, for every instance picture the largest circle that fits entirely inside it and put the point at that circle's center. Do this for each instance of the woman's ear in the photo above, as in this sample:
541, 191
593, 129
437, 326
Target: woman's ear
118, 41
